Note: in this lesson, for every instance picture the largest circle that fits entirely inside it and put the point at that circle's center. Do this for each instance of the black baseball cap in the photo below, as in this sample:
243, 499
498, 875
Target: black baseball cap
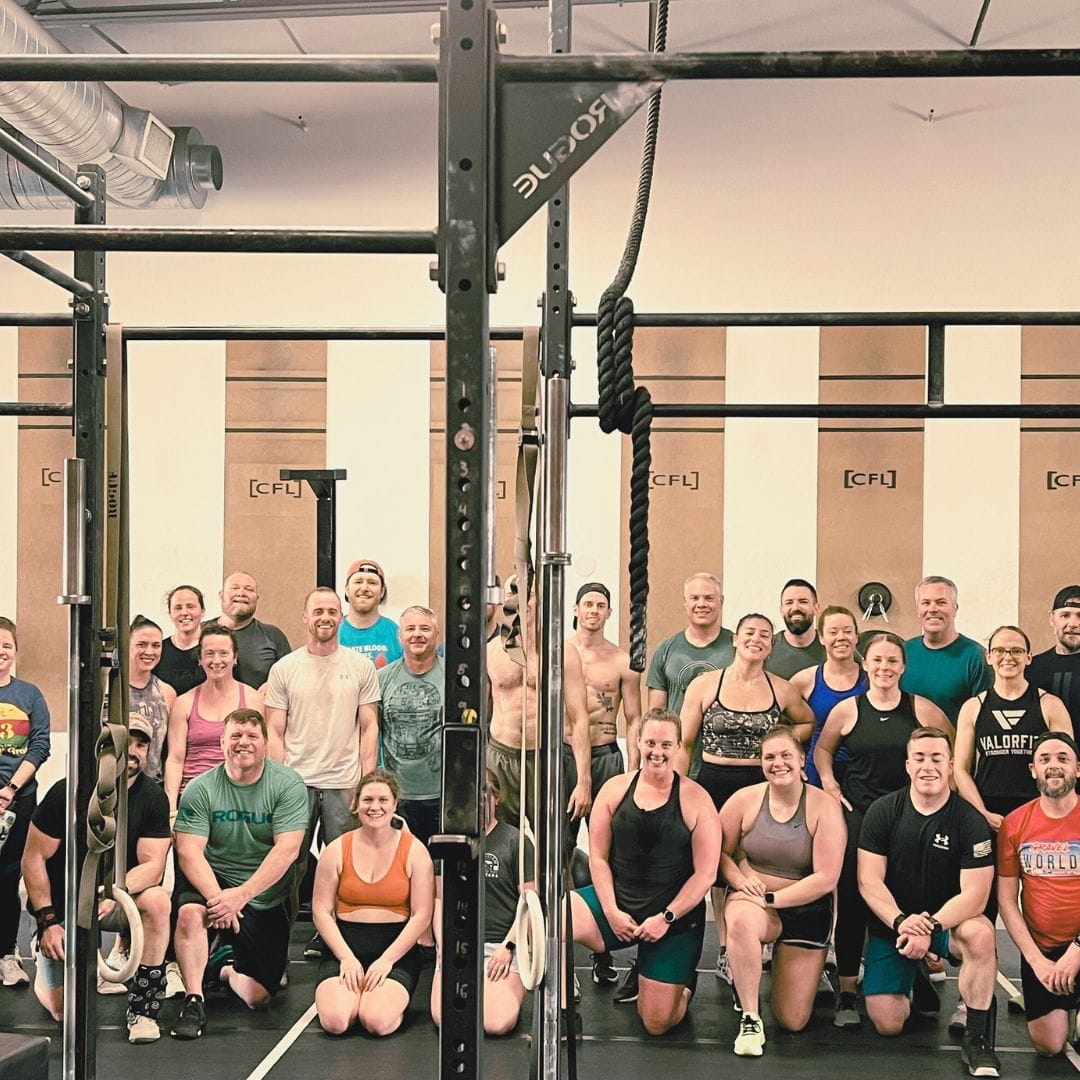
588, 587
1050, 736
1067, 597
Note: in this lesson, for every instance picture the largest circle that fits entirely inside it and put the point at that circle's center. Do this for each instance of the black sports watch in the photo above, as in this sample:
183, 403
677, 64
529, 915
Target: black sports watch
669, 916
770, 899
511, 945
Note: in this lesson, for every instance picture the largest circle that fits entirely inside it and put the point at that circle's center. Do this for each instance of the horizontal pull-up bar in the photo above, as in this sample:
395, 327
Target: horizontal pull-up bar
109, 67
50, 273
847, 318
811, 411
280, 241
29, 318
34, 408
65, 185
300, 333
914, 64
926, 63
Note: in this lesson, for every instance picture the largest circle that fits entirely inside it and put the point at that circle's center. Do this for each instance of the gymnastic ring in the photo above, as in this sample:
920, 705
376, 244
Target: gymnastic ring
529, 934
135, 949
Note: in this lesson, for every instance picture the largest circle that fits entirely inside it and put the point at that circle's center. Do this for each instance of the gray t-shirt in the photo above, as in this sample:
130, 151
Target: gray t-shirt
501, 885
785, 658
259, 646
676, 663
411, 726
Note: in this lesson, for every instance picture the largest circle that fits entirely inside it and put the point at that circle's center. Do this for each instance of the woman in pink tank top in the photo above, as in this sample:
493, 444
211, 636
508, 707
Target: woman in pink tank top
195, 720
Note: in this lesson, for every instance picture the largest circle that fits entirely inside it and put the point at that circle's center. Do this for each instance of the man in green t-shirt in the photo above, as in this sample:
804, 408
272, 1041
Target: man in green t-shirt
238, 833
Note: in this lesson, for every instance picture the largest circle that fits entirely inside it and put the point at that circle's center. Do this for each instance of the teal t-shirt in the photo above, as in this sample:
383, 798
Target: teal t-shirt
378, 642
411, 727
949, 676
241, 821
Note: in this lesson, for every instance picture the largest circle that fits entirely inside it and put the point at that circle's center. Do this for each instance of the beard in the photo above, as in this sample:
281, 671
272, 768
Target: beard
1057, 787
798, 622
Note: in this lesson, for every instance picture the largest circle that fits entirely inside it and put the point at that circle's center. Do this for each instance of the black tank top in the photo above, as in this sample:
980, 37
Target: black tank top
651, 857
1005, 734
878, 745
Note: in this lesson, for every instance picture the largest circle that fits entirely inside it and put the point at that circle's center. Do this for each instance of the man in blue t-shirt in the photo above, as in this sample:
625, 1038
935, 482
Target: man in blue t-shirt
364, 628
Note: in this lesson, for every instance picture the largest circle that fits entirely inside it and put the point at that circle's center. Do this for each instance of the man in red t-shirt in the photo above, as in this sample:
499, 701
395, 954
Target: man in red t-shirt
1039, 844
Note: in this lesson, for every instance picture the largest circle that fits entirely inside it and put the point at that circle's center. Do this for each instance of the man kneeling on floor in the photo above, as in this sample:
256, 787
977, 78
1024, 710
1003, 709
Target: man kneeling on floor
1037, 853
238, 833
926, 865
148, 839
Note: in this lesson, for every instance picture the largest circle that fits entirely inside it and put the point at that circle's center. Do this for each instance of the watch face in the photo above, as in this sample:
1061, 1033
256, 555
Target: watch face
669, 915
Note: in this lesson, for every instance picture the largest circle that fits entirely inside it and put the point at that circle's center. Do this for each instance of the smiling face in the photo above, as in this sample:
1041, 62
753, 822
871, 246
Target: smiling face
1054, 768
838, 635
936, 607
7, 652
216, 655
884, 664
185, 611
137, 748
754, 639
243, 744
703, 601
798, 608
418, 633
144, 650
375, 805
929, 764
322, 616
782, 760
1008, 653
239, 597
364, 591
658, 743
592, 611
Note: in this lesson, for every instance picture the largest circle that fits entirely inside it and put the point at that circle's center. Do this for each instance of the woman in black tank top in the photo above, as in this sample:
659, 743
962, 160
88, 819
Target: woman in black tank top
654, 845
875, 727
996, 731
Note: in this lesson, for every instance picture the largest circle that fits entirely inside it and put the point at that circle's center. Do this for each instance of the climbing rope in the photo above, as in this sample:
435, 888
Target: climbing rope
624, 406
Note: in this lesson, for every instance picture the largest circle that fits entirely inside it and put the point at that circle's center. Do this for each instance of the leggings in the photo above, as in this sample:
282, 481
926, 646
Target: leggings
851, 910
10, 869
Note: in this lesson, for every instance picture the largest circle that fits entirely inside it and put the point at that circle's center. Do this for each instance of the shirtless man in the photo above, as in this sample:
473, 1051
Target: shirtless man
504, 743
609, 684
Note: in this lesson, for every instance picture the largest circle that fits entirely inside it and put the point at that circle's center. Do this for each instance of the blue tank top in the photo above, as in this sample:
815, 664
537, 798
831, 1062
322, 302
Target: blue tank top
821, 701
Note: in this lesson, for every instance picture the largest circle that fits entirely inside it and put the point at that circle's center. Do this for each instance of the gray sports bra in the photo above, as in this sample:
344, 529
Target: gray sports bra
783, 848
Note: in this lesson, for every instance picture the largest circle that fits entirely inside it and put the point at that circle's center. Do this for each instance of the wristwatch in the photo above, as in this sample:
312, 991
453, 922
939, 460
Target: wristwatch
669, 916
770, 899
936, 922
511, 945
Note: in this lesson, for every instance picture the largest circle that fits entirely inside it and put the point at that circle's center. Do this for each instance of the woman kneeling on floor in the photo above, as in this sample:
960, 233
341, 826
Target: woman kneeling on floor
373, 898
788, 838
654, 842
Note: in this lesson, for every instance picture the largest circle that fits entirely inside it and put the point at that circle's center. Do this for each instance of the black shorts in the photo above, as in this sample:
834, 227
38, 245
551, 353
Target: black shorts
260, 947
808, 926
1038, 1001
721, 782
368, 942
422, 816
607, 761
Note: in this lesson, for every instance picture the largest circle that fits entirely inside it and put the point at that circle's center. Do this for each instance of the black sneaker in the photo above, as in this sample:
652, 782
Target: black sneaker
191, 1023
980, 1059
628, 988
603, 970
313, 949
925, 999
219, 958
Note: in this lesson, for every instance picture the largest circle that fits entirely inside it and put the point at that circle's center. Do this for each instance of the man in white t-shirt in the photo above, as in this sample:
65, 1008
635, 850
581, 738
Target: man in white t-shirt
322, 714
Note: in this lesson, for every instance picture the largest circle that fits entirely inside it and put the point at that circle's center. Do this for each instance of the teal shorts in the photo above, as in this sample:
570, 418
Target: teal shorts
887, 972
673, 959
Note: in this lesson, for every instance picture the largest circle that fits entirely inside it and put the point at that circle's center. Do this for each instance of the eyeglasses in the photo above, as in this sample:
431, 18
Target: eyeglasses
1014, 653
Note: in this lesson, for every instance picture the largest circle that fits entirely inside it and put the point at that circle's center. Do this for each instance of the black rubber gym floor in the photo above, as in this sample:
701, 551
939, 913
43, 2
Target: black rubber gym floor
239, 1044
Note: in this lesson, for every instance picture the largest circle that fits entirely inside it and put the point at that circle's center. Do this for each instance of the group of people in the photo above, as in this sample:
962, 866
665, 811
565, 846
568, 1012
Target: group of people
828, 789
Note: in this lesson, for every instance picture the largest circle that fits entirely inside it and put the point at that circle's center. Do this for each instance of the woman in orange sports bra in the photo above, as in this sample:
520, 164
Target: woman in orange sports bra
373, 898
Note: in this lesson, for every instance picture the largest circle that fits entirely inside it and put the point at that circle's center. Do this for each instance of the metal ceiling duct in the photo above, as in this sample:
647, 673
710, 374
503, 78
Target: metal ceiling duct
145, 162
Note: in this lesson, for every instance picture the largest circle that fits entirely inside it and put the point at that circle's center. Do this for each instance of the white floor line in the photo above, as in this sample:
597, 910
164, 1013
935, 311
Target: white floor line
1009, 987
279, 1051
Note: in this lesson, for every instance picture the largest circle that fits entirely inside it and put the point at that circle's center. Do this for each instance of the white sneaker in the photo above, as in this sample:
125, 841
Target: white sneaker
106, 987
750, 1042
118, 955
577, 989
12, 972
766, 956
174, 981
142, 1029
825, 986
722, 970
